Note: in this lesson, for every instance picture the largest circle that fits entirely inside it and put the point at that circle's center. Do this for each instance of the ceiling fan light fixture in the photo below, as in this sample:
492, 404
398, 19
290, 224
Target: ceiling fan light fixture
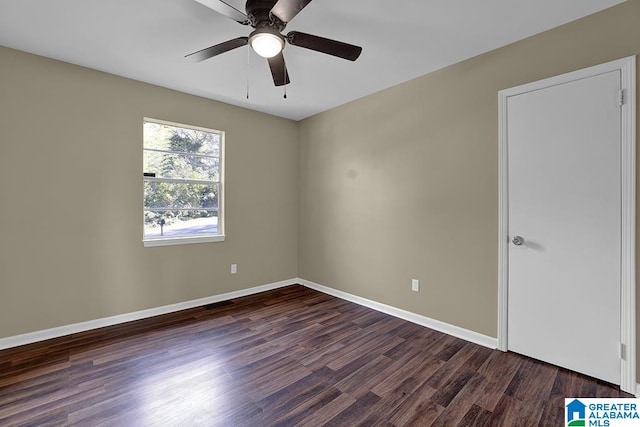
269, 18
266, 44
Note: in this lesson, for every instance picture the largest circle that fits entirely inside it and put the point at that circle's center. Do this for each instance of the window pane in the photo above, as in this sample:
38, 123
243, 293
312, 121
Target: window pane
182, 166
173, 155
174, 138
177, 223
166, 195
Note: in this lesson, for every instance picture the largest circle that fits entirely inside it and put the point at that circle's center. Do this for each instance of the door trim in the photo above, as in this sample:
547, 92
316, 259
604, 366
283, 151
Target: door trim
627, 67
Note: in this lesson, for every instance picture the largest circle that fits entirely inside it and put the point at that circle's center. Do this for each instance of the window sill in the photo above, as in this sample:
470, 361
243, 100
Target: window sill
170, 241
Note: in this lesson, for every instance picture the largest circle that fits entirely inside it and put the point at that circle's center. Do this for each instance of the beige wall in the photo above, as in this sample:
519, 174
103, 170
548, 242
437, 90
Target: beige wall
403, 184
71, 197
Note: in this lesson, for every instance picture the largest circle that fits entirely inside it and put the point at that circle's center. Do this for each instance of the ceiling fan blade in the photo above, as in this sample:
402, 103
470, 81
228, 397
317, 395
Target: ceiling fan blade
212, 51
227, 10
286, 10
279, 70
328, 46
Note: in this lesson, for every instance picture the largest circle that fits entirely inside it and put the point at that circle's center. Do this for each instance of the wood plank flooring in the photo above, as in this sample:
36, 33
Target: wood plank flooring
291, 356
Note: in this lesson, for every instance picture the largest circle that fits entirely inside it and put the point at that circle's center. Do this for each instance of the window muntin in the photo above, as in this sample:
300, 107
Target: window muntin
182, 183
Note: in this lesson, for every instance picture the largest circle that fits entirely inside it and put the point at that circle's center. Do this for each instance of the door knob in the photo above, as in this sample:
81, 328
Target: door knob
517, 240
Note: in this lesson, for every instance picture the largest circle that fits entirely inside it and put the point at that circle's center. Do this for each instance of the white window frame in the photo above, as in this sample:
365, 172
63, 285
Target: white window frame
182, 240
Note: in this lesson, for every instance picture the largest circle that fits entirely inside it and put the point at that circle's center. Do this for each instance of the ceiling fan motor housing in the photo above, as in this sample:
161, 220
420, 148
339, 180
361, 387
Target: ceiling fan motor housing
260, 17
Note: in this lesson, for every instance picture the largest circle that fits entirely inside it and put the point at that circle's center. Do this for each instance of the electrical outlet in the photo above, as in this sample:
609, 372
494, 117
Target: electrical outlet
415, 285
234, 268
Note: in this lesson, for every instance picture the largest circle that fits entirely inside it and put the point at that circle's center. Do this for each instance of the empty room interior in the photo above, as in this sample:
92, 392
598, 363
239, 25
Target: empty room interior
361, 265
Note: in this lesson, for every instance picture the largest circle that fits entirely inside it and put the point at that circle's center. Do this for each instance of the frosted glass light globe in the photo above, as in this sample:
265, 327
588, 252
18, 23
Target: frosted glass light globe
266, 45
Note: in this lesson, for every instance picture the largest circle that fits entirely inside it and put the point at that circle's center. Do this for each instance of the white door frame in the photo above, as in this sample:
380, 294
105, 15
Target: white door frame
627, 67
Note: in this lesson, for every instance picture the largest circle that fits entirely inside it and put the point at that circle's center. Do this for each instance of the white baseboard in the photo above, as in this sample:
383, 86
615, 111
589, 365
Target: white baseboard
446, 328
46, 334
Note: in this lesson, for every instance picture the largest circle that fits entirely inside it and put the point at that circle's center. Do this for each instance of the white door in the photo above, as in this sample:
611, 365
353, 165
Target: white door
564, 201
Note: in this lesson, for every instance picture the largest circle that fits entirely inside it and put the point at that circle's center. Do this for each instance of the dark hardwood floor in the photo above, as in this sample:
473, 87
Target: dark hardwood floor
292, 356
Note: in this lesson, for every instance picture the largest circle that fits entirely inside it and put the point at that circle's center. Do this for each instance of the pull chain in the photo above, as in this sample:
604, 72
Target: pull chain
248, 61
285, 81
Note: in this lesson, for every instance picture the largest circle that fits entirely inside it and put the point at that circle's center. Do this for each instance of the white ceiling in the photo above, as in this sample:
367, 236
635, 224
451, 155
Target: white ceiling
147, 39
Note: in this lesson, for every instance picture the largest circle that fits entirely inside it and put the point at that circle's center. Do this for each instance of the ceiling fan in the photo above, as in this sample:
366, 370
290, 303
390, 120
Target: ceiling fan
269, 18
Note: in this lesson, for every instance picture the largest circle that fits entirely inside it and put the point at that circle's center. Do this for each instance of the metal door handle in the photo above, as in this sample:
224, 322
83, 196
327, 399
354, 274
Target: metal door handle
517, 240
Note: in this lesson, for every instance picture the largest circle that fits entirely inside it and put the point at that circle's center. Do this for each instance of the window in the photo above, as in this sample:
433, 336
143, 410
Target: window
182, 184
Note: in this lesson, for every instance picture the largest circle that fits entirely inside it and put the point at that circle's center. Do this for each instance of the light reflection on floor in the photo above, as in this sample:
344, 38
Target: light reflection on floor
191, 394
